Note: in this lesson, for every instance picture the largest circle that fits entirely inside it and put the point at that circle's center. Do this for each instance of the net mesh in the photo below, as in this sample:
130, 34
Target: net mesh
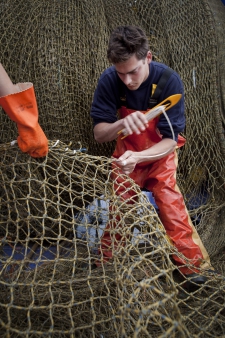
54, 210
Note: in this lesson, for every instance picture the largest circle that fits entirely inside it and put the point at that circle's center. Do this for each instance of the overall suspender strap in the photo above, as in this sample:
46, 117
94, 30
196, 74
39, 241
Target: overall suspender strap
153, 100
123, 100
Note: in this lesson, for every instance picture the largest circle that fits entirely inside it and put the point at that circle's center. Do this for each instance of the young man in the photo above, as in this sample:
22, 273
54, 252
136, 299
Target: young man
148, 153
19, 103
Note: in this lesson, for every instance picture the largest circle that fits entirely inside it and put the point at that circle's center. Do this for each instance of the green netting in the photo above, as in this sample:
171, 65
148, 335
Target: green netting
50, 231
50, 217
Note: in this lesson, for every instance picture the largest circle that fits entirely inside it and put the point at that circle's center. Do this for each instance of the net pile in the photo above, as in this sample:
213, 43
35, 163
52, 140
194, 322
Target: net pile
53, 211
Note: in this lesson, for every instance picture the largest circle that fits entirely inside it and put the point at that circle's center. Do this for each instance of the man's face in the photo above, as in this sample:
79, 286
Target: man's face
133, 71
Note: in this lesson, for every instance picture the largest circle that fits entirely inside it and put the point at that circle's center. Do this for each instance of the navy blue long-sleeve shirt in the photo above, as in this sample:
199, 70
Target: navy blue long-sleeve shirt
106, 99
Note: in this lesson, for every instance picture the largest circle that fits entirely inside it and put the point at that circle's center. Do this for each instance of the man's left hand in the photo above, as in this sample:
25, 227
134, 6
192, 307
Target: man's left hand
127, 162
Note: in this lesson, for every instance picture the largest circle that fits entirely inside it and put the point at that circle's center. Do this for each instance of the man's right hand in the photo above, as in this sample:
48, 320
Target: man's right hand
135, 123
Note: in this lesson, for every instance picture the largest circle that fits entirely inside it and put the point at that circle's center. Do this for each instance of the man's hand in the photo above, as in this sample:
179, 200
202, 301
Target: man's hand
135, 123
127, 162
130, 159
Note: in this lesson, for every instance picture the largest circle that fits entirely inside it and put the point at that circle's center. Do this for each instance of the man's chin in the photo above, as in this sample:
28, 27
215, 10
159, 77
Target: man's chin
133, 87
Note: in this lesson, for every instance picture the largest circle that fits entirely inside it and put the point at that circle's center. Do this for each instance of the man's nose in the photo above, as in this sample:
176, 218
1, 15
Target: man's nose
127, 79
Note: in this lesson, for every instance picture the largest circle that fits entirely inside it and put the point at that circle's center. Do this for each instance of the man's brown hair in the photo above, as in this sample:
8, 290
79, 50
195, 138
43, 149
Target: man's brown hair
126, 41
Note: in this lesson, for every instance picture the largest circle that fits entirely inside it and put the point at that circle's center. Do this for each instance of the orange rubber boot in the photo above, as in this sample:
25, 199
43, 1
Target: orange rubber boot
19, 103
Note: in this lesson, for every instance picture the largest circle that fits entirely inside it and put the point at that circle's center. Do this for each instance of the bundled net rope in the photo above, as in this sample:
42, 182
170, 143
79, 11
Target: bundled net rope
53, 211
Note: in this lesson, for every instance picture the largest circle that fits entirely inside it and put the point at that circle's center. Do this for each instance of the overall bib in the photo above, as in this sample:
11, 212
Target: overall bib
159, 177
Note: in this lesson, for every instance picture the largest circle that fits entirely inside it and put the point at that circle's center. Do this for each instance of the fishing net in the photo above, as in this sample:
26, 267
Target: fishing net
53, 211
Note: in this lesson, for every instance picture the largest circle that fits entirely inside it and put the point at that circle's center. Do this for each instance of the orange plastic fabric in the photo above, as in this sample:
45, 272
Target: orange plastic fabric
22, 108
159, 177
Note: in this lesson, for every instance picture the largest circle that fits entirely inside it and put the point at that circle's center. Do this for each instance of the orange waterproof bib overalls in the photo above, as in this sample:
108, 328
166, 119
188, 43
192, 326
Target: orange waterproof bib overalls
159, 177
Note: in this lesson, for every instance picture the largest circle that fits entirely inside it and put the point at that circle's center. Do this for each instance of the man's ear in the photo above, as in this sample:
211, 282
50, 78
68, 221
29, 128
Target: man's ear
149, 57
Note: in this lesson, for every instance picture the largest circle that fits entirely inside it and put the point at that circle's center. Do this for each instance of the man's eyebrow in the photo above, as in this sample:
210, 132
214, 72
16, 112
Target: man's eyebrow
128, 72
